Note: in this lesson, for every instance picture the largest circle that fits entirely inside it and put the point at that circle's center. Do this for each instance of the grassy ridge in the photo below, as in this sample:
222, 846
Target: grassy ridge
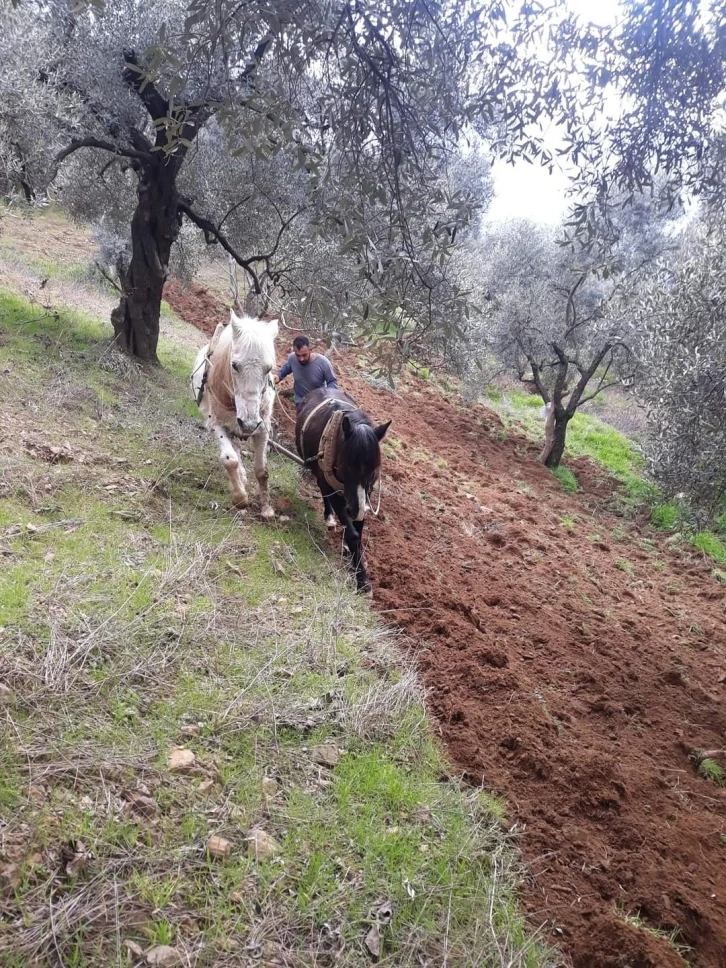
139, 615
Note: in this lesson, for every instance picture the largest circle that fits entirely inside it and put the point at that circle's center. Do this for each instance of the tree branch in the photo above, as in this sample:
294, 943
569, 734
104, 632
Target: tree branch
542, 389
605, 386
135, 77
212, 235
108, 278
233, 209
574, 401
561, 379
570, 311
103, 146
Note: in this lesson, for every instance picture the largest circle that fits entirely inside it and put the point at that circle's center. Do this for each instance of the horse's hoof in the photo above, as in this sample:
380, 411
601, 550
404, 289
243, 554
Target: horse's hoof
267, 514
365, 587
241, 502
330, 522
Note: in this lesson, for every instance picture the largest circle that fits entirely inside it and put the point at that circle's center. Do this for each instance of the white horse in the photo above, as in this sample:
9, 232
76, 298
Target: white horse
232, 386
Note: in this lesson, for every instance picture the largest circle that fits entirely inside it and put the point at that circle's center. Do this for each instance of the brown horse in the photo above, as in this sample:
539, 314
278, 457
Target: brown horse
339, 443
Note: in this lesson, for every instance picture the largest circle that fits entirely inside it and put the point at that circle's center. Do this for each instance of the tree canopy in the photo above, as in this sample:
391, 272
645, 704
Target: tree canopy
351, 114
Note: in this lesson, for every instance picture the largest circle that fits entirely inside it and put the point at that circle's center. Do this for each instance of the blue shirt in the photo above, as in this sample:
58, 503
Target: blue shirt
308, 376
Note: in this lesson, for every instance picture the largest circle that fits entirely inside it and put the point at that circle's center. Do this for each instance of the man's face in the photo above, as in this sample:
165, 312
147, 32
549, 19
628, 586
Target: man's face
302, 354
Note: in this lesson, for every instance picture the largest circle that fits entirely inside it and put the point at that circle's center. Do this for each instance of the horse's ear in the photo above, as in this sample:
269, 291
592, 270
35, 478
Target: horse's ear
272, 325
381, 429
235, 321
347, 426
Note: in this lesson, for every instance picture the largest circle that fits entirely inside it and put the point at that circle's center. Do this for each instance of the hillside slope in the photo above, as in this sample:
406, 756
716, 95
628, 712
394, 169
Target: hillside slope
211, 754
573, 661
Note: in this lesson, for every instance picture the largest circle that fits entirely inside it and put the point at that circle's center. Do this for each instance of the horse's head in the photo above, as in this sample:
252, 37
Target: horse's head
359, 460
252, 357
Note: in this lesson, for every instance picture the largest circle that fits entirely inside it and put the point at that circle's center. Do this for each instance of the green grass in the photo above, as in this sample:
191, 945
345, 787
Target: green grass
566, 478
520, 400
675, 517
587, 436
45, 268
709, 769
139, 613
710, 544
666, 517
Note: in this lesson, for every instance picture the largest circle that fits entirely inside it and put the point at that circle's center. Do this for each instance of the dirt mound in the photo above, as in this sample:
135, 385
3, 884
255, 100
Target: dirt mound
572, 663
195, 305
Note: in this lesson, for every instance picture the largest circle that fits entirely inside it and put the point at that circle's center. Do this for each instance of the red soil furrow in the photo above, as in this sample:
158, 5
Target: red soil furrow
571, 669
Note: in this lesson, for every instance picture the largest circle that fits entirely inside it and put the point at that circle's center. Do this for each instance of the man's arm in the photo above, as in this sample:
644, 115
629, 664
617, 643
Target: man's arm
329, 375
285, 370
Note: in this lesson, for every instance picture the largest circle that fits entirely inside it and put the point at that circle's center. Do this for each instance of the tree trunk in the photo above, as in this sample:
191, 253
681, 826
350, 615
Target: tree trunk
154, 228
554, 456
549, 432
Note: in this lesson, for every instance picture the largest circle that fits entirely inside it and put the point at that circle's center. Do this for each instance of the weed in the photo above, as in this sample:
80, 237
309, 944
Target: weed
568, 521
622, 565
671, 937
566, 478
710, 544
709, 769
665, 517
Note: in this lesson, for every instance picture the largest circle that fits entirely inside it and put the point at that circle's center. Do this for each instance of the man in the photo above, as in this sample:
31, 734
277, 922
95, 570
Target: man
310, 370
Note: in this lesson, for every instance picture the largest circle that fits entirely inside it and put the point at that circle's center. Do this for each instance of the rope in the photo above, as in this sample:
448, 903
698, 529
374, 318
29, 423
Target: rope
202, 387
380, 491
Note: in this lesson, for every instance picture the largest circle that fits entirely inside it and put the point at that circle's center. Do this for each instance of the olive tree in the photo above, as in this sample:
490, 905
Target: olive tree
562, 320
681, 348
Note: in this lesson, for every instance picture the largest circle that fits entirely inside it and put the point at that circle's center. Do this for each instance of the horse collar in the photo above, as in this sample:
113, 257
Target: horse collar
329, 449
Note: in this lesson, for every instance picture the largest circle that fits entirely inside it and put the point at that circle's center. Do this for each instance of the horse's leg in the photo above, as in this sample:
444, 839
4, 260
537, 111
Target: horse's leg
352, 531
232, 463
364, 582
328, 512
260, 445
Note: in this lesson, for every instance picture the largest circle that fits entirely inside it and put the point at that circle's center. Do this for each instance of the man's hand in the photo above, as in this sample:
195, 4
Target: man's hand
275, 379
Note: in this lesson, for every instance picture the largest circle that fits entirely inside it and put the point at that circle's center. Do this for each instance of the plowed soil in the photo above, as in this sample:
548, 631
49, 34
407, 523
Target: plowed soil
574, 660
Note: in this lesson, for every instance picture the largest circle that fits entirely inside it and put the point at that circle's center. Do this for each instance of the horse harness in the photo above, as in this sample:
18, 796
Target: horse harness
327, 450
207, 359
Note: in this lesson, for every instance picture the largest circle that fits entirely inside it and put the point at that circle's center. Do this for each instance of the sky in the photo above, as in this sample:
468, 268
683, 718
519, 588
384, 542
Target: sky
530, 191
527, 191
